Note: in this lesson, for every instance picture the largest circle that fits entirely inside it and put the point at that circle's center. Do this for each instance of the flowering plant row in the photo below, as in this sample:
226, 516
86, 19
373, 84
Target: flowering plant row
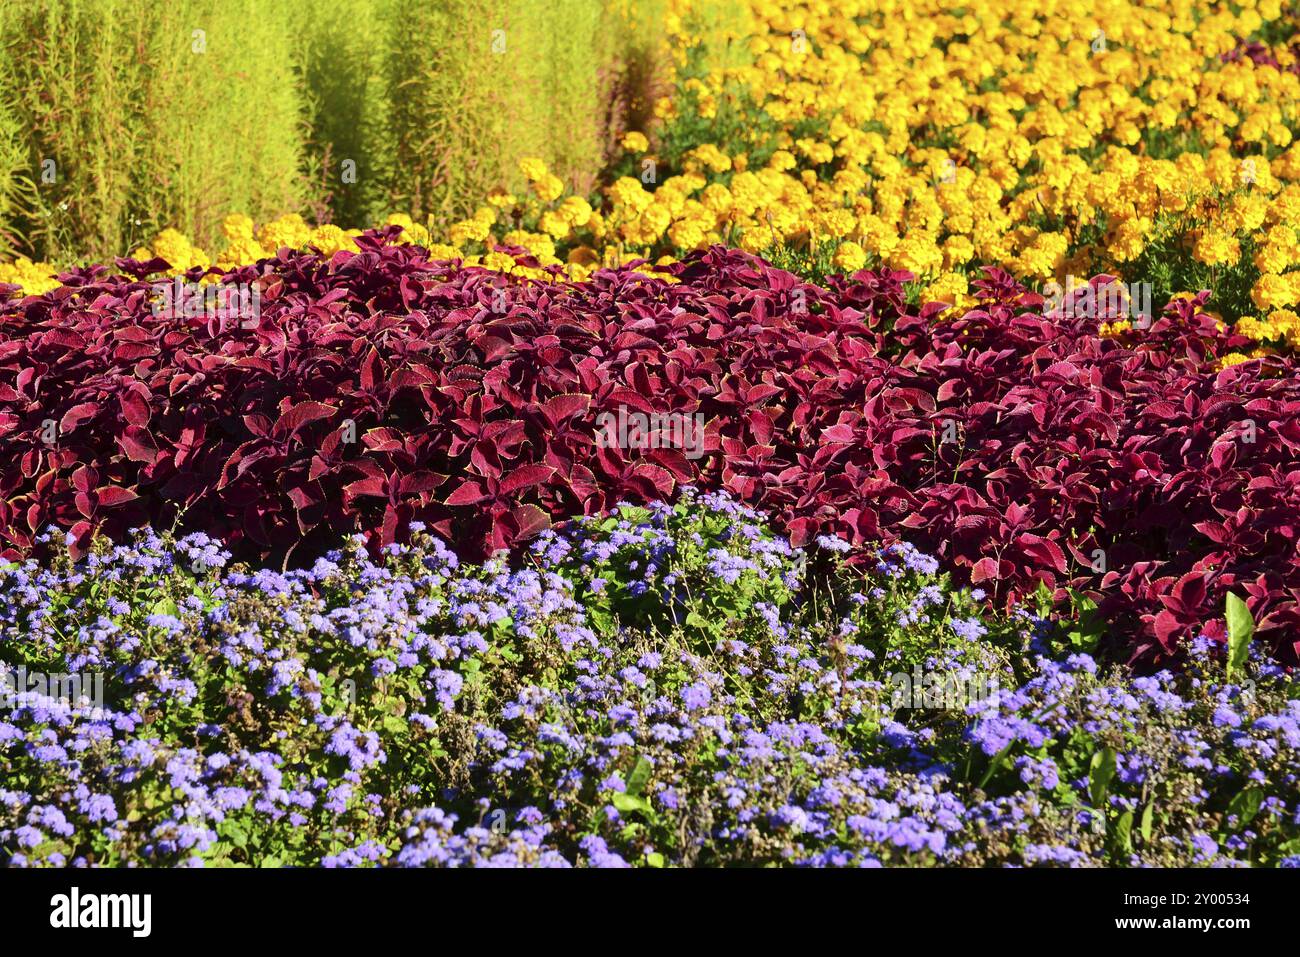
376, 388
670, 685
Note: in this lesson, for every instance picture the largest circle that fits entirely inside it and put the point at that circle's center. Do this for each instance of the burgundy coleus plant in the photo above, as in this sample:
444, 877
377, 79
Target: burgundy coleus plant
378, 387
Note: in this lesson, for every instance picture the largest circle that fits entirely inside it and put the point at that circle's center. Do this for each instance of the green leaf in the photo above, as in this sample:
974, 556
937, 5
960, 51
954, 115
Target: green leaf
394, 725
636, 781
1288, 849
630, 802
1241, 627
1245, 805
164, 606
234, 831
1148, 813
1124, 832
1101, 770
1088, 626
654, 859
995, 764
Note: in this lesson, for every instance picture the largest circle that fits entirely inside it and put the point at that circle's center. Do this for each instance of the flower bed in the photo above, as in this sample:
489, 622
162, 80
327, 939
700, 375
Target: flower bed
663, 686
378, 388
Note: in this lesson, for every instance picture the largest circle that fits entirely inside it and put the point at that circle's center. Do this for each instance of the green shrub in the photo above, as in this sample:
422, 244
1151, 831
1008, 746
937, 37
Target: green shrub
347, 102
147, 121
476, 85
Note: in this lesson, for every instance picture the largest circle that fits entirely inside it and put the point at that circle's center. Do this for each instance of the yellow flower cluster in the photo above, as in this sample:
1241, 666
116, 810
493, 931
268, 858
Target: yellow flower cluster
34, 278
1280, 325
247, 243
1047, 137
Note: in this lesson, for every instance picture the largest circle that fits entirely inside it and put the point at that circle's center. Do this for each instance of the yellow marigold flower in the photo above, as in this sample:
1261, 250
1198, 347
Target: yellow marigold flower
1231, 359
957, 250
629, 194
330, 239
584, 256
950, 287
548, 187
468, 230
836, 223
817, 152
717, 199
755, 241
651, 224
500, 262
782, 160
533, 168
554, 225
539, 244
1247, 212
1216, 248
1271, 291
710, 156
241, 252
849, 257
289, 230
576, 210
686, 235
635, 142
37, 278
918, 255
439, 251
237, 226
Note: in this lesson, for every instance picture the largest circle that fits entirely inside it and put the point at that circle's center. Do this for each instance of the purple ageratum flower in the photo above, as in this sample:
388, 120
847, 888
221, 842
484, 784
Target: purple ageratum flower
832, 544
1204, 848
696, 697
599, 854
968, 629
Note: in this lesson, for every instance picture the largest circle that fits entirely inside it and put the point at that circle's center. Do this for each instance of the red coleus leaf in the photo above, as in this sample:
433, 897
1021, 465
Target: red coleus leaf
135, 409
75, 416
138, 445
467, 493
299, 415
111, 495
530, 520
376, 487
561, 407
524, 477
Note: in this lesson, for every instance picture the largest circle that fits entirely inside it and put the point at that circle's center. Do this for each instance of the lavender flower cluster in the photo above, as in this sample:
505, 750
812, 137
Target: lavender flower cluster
664, 686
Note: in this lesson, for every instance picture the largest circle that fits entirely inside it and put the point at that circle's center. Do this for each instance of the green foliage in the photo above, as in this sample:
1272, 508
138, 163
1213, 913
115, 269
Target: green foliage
347, 103
811, 261
180, 115
1241, 628
476, 85
13, 182
174, 116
